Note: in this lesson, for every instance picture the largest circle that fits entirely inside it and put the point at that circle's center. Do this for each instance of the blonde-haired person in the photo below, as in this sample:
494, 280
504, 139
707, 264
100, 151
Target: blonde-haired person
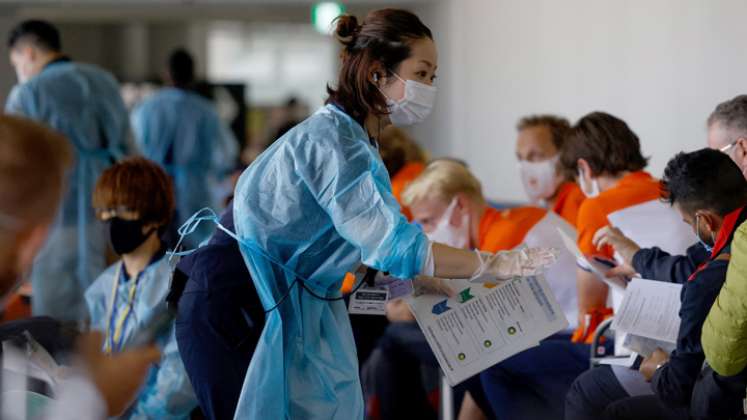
36, 159
448, 202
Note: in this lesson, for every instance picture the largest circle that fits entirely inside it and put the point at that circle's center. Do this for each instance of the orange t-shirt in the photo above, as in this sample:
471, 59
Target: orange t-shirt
569, 201
402, 179
501, 230
633, 189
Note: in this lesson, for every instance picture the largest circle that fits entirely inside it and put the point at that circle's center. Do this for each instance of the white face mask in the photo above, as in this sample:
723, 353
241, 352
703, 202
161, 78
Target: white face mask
589, 191
415, 106
445, 233
540, 179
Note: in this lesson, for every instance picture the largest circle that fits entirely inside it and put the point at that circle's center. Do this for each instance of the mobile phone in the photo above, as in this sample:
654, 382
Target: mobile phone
605, 262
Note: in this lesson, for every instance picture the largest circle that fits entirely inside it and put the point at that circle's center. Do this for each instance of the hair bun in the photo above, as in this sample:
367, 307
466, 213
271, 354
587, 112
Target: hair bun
346, 29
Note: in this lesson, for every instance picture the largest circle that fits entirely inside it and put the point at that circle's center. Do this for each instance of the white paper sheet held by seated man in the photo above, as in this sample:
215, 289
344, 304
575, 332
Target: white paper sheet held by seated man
484, 324
650, 309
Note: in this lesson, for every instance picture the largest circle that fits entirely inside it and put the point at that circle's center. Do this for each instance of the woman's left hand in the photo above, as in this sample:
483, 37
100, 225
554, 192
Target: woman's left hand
426, 285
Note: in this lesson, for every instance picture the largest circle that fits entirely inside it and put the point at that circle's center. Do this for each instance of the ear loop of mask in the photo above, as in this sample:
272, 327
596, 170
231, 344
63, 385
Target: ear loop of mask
207, 214
707, 247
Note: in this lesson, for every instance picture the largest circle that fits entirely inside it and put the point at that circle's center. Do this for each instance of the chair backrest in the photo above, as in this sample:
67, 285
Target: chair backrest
561, 276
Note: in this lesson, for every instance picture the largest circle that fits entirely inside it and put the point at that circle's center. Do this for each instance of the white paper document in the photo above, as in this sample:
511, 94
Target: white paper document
561, 276
650, 309
646, 346
654, 223
485, 324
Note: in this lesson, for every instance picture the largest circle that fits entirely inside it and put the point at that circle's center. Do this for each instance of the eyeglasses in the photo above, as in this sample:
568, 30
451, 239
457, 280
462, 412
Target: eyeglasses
113, 212
726, 148
729, 146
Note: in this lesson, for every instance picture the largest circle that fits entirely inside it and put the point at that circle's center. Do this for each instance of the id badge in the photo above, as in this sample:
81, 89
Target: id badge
369, 301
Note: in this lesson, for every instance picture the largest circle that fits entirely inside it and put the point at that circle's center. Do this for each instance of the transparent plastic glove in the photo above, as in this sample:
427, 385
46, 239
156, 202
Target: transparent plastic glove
426, 285
506, 265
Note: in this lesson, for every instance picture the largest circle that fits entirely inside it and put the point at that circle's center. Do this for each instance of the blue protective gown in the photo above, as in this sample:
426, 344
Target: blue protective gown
167, 393
319, 201
182, 132
83, 103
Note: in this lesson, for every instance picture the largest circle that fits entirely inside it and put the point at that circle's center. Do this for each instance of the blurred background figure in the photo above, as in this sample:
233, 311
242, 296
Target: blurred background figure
135, 199
82, 102
290, 115
35, 159
404, 160
182, 132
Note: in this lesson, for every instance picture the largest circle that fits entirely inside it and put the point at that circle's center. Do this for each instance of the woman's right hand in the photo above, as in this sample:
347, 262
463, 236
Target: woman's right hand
506, 265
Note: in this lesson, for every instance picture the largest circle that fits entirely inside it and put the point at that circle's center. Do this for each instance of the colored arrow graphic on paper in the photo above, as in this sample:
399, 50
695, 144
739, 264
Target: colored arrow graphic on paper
440, 307
465, 296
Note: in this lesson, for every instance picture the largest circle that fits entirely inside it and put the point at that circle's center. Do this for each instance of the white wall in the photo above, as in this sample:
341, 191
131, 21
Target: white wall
662, 65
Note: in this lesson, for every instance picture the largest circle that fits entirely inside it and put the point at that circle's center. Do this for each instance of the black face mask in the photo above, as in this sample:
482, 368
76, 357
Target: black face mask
126, 235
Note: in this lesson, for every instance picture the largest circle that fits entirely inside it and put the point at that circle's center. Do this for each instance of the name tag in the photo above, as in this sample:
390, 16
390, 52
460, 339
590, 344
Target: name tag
369, 300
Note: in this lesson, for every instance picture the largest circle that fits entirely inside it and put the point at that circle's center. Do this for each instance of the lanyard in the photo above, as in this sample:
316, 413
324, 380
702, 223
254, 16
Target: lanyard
207, 214
114, 338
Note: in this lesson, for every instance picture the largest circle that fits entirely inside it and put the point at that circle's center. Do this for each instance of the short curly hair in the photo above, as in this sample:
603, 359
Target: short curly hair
690, 181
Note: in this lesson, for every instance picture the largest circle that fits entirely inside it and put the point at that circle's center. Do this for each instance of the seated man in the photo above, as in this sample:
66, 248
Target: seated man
720, 391
532, 384
606, 155
714, 207
136, 200
447, 201
540, 140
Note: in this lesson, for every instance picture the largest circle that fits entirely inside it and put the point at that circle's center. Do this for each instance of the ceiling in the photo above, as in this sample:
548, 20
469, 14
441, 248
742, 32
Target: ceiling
101, 11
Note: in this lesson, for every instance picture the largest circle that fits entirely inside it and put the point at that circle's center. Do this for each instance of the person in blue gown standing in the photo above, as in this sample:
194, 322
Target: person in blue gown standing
83, 103
182, 131
318, 203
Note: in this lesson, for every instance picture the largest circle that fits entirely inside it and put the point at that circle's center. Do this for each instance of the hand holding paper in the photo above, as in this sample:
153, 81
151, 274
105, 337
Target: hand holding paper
426, 285
652, 363
506, 265
614, 237
605, 270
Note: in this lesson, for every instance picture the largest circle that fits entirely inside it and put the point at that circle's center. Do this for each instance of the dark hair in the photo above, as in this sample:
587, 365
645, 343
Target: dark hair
558, 126
40, 33
385, 36
704, 180
136, 184
732, 114
605, 142
181, 68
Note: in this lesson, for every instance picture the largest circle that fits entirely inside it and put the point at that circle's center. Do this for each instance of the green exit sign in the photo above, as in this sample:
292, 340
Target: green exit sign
324, 13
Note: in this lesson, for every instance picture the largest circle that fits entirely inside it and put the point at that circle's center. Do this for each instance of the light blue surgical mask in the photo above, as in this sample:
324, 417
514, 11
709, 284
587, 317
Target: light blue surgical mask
708, 248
